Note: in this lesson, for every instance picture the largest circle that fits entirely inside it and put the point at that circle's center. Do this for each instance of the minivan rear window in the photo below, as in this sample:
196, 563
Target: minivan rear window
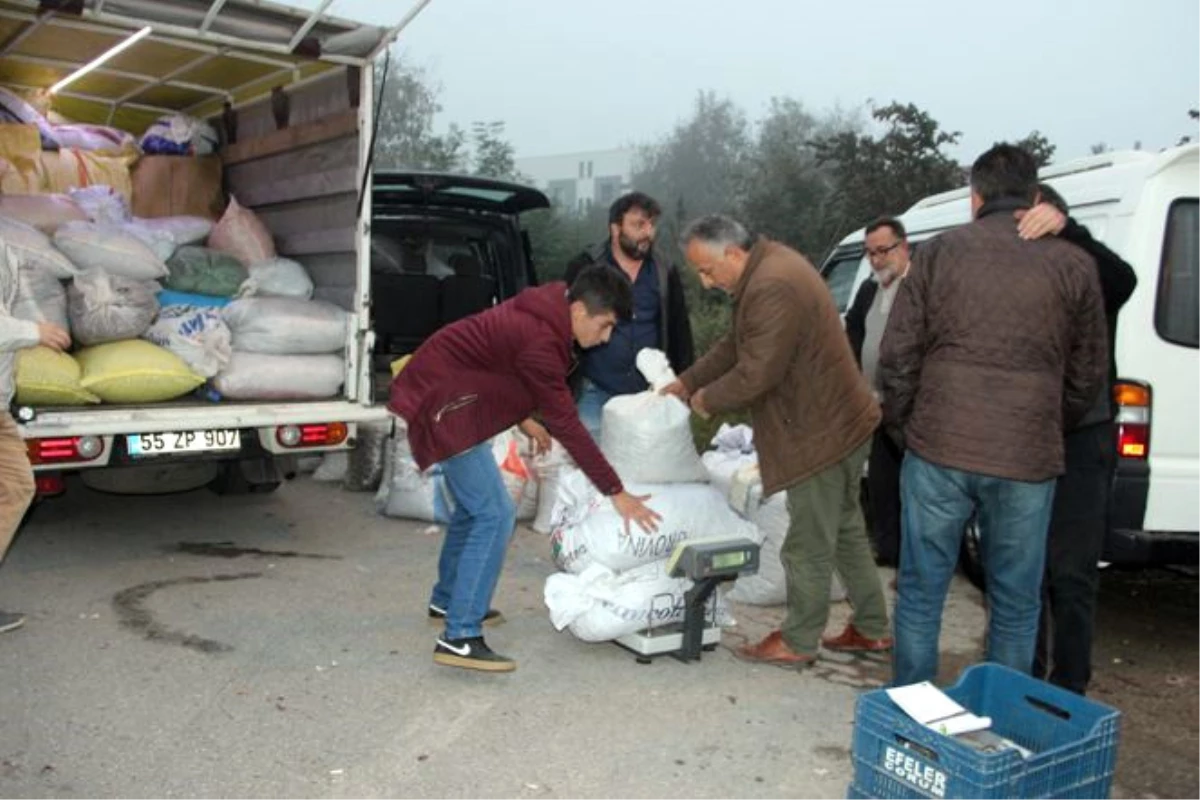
1176, 310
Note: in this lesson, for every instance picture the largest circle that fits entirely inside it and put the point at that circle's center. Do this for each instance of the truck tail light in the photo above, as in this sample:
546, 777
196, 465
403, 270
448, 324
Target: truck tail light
325, 434
49, 484
1133, 419
61, 450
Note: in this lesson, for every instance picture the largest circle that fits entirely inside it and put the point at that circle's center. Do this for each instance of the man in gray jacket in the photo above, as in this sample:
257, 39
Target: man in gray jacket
995, 346
16, 476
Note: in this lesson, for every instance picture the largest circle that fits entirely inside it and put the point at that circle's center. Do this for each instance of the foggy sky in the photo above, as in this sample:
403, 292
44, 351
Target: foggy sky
574, 75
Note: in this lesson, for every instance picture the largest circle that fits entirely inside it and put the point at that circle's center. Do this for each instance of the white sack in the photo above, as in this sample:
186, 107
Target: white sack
196, 334
407, 493
516, 472
599, 605
333, 467
588, 530
260, 376
104, 247
108, 308
279, 277
160, 241
548, 468
183, 229
647, 437
34, 249
286, 326
40, 295
102, 204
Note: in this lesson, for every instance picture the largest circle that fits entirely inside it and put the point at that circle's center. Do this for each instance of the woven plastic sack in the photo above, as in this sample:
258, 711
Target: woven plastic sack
197, 335
102, 204
286, 326
183, 229
45, 212
34, 249
279, 277
242, 234
405, 492
46, 377
160, 242
135, 371
548, 468
202, 270
40, 296
109, 308
262, 376
92, 246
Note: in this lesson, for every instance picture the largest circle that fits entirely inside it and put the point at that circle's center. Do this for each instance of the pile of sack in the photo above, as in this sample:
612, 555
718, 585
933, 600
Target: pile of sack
614, 580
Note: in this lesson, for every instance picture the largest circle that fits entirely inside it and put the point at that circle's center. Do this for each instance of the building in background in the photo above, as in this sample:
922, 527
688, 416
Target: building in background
578, 182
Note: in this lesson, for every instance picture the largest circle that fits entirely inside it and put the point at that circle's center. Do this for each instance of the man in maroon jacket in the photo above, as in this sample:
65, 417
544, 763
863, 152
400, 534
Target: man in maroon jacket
478, 377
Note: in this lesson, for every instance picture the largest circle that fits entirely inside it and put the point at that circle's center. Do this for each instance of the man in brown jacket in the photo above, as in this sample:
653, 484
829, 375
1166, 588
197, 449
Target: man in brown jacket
995, 345
787, 359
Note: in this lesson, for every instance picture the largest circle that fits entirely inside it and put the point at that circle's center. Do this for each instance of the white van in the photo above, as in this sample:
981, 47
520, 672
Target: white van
1144, 206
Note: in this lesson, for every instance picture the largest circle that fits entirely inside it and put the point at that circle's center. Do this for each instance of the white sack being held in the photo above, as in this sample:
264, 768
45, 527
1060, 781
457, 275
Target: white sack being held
647, 437
286, 326
588, 530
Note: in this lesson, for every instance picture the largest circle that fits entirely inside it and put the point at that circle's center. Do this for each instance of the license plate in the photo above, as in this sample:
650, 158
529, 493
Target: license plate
152, 444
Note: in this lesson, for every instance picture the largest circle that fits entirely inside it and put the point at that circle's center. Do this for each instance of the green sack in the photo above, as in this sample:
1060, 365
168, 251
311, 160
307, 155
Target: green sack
201, 270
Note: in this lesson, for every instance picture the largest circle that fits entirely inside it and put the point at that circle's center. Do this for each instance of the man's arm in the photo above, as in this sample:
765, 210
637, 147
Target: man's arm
856, 317
1087, 356
679, 325
905, 339
771, 319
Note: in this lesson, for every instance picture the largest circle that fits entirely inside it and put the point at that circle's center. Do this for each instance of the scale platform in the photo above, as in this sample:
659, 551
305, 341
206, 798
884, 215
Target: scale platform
665, 640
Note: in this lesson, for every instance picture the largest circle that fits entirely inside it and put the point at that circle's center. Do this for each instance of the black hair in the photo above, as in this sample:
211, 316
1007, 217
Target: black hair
602, 289
628, 202
1005, 171
896, 226
1050, 195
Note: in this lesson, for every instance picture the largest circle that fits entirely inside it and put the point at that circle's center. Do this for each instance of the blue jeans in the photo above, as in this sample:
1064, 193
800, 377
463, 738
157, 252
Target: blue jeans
476, 540
591, 407
1014, 516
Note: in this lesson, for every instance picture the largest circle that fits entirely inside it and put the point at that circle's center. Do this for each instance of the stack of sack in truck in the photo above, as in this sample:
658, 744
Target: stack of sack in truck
614, 580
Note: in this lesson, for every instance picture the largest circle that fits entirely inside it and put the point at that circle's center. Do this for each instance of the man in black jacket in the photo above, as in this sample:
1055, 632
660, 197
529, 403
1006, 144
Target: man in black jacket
888, 252
660, 314
1079, 521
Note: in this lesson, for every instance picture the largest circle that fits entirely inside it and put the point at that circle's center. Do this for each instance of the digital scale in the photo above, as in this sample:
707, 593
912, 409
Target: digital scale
707, 563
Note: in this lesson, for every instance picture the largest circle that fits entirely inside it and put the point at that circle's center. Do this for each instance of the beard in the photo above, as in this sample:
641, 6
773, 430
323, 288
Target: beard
638, 249
885, 276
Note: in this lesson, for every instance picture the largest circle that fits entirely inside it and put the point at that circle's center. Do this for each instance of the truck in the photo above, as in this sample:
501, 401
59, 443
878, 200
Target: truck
292, 93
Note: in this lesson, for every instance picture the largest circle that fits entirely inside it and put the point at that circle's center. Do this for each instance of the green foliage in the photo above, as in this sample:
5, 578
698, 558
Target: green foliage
408, 103
1038, 146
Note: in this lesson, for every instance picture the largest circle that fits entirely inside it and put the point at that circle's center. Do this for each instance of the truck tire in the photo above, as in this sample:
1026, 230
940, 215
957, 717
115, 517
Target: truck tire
970, 556
252, 476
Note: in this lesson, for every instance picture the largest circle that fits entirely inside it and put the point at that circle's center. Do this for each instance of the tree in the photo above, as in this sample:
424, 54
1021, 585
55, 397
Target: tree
886, 175
1038, 146
408, 103
494, 156
1098, 148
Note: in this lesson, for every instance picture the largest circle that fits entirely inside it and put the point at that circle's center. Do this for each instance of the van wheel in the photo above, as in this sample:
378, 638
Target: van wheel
258, 476
970, 556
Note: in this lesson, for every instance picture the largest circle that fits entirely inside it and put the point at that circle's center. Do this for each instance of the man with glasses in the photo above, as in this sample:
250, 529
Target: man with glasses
887, 251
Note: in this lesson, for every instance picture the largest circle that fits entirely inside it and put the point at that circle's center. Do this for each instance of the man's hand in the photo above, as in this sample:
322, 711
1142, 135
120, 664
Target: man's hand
698, 405
676, 389
53, 336
1041, 220
538, 433
632, 507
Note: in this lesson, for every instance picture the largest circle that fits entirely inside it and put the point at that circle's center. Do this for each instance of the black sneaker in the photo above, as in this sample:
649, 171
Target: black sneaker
437, 616
471, 653
10, 621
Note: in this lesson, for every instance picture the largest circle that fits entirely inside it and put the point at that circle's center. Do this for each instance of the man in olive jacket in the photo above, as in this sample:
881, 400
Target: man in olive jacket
788, 361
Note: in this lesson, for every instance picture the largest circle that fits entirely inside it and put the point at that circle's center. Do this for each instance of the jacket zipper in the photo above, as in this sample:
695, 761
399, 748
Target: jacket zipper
455, 405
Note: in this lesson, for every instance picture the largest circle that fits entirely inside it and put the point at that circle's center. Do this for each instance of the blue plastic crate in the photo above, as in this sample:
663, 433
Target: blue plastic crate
1074, 741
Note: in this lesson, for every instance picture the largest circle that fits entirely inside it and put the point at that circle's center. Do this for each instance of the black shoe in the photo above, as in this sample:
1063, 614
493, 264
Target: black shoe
10, 621
471, 653
438, 615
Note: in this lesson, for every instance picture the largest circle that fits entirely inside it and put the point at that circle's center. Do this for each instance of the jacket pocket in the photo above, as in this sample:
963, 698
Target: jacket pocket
456, 404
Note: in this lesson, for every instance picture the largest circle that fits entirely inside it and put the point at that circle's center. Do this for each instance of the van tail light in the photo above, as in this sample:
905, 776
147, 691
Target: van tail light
1133, 419
326, 434
65, 449
49, 484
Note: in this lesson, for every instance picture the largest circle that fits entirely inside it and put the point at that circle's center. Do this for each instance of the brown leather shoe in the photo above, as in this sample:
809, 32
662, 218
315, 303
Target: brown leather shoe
851, 641
773, 650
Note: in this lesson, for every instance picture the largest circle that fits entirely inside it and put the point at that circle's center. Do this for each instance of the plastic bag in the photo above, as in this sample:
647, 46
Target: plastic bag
40, 296
202, 270
197, 335
92, 246
588, 530
46, 377
599, 605
102, 204
647, 437
134, 371
260, 376
286, 326
405, 492
169, 298
506, 449
279, 277
34, 249
333, 467
109, 308
242, 234
183, 229
179, 135
160, 242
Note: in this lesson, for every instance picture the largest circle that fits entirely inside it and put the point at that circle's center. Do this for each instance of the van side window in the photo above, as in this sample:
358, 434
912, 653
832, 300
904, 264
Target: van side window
1176, 316
840, 277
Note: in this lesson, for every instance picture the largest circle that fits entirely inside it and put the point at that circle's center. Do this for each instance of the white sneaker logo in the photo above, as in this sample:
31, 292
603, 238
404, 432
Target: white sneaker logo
465, 650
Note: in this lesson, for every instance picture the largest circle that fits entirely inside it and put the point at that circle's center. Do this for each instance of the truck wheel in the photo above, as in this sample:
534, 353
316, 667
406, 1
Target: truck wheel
970, 556
257, 476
